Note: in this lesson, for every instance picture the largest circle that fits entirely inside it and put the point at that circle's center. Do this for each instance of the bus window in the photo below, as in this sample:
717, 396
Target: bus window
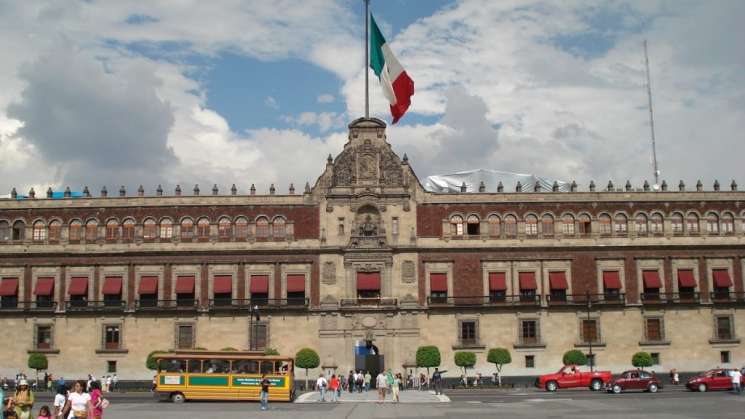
172, 365
216, 366
284, 367
267, 367
195, 366
245, 366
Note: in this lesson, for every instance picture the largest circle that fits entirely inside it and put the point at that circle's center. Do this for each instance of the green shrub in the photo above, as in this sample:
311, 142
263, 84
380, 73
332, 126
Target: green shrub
428, 357
465, 360
574, 357
642, 360
499, 357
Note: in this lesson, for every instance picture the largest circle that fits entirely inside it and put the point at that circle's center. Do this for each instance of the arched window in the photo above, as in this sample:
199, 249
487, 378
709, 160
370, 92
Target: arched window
474, 225
712, 223
149, 229
494, 226
642, 224
187, 228
4, 231
692, 224
278, 228
531, 225
605, 224
262, 227
19, 230
655, 224
224, 228
40, 231
241, 228
567, 222
456, 225
728, 223
75, 231
203, 229
55, 230
166, 229
621, 225
585, 225
128, 230
547, 227
510, 226
112, 230
676, 223
91, 230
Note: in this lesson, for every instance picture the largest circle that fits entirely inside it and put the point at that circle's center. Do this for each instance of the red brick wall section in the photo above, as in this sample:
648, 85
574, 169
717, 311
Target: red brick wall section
467, 275
703, 279
737, 274
669, 277
62, 287
131, 290
315, 285
96, 281
241, 291
27, 291
204, 277
167, 281
278, 281
584, 274
421, 279
632, 286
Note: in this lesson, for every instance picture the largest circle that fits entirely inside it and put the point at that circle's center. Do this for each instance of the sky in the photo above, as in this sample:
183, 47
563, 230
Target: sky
122, 93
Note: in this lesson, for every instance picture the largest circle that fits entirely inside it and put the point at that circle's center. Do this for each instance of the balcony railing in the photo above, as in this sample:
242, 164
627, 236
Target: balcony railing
218, 304
727, 297
85, 306
670, 298
582, 299
368, 302
36, 306
171, 305
486, 300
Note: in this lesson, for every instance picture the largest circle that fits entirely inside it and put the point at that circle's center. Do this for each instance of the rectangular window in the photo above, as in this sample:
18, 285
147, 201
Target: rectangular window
531, 228
91, 232
185, 336
529, 361
590, 331
438, 287
467, 333
585, 226
654, 329
112, 231
724, 357
259, 336
724, 328
394, 226
55, 231
655, 358
44, 337
111, 367
112, 337
128, 231
73, 233
296, 289
497, 286
166, 230
340, 230
568, 226
529, 332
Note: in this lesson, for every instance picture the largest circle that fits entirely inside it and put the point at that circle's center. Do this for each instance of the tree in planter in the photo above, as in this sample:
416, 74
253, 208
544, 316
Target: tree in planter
428, 357
308, 359
499, 357
641, 360
38, 362
150, 362
271, 351
574, 357
465, 360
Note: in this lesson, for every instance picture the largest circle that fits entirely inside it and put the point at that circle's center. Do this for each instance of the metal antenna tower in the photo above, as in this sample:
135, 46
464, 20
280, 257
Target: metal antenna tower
651, 119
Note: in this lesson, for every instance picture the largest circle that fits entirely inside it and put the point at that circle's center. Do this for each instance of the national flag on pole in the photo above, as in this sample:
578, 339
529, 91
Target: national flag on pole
397, 86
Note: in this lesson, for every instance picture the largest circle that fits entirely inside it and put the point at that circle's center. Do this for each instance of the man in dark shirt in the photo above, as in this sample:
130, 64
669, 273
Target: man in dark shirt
437, 379
265, 383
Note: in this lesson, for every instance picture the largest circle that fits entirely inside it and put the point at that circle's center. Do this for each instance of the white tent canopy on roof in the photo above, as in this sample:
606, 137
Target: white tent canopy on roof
451, 183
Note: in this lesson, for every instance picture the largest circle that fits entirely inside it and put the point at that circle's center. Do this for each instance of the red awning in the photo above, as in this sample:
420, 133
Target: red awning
78, 286
557, 280
686, 279
611, 280
223, 284
148, 285
112, 285
721, 278
44, 286
497, 281
260, 284
438, 282
8, 287
185, 285
295, 283
368, 281
651, 279
527, 281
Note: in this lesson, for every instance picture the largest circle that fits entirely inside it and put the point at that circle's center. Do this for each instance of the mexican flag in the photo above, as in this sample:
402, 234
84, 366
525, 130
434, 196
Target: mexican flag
397, 86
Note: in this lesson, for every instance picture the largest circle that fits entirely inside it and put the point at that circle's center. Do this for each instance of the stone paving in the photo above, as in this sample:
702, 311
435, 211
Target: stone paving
406, 396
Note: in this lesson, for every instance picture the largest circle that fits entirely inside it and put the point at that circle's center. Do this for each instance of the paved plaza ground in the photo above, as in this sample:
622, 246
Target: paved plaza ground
674, 403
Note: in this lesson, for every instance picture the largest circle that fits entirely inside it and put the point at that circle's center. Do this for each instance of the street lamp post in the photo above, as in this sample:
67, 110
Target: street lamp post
252, 311
589, 341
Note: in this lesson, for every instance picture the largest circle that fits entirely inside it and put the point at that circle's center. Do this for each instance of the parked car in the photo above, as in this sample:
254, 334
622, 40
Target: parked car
571, 376
716, 379
635, 380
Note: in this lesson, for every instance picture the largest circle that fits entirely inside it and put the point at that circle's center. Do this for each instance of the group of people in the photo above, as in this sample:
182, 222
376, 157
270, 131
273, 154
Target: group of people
85, 400
386, 382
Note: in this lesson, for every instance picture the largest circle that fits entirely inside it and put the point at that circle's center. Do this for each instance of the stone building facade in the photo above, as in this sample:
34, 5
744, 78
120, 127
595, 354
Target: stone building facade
366, 253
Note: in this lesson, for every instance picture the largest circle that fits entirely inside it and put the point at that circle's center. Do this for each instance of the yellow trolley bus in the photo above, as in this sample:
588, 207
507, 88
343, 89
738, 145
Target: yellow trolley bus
224, 375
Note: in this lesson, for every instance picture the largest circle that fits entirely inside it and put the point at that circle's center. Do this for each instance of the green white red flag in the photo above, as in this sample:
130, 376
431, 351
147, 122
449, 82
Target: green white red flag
397, 86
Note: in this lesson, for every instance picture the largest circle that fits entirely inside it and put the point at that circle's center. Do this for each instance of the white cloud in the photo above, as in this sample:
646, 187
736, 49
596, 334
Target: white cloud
325, 121
325, 98
271, 102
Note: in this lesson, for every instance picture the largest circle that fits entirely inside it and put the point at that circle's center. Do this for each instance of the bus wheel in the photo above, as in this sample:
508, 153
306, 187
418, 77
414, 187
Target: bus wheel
178, 398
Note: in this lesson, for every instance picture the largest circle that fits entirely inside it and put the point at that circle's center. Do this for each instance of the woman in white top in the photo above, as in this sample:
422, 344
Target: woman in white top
80, 403
60, 399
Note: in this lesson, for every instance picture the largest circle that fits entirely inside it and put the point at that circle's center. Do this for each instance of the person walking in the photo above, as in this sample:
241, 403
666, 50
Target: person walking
350, 381
97, 400
2, 400
24, 400
114, 382
396, 388
736, 381
321, 385
437, 380
368, 379
264, 396
78, 402
334, 388
59, 401
381, 383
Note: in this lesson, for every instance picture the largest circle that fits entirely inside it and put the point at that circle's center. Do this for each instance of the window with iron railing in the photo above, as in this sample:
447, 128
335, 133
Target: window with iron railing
468, 332
724, 329
529, 332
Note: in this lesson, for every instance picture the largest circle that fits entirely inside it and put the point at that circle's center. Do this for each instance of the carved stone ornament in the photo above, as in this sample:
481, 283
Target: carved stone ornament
329, 273
369, 322
407, 272
367, 169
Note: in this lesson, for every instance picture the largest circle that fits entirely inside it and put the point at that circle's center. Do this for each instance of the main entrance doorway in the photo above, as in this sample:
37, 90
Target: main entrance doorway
367, 358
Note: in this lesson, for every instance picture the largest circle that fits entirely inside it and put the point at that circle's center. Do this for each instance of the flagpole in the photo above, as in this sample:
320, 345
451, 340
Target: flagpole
367, 58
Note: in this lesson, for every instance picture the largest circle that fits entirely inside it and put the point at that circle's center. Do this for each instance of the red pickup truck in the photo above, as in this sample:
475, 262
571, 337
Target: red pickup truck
570, 376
